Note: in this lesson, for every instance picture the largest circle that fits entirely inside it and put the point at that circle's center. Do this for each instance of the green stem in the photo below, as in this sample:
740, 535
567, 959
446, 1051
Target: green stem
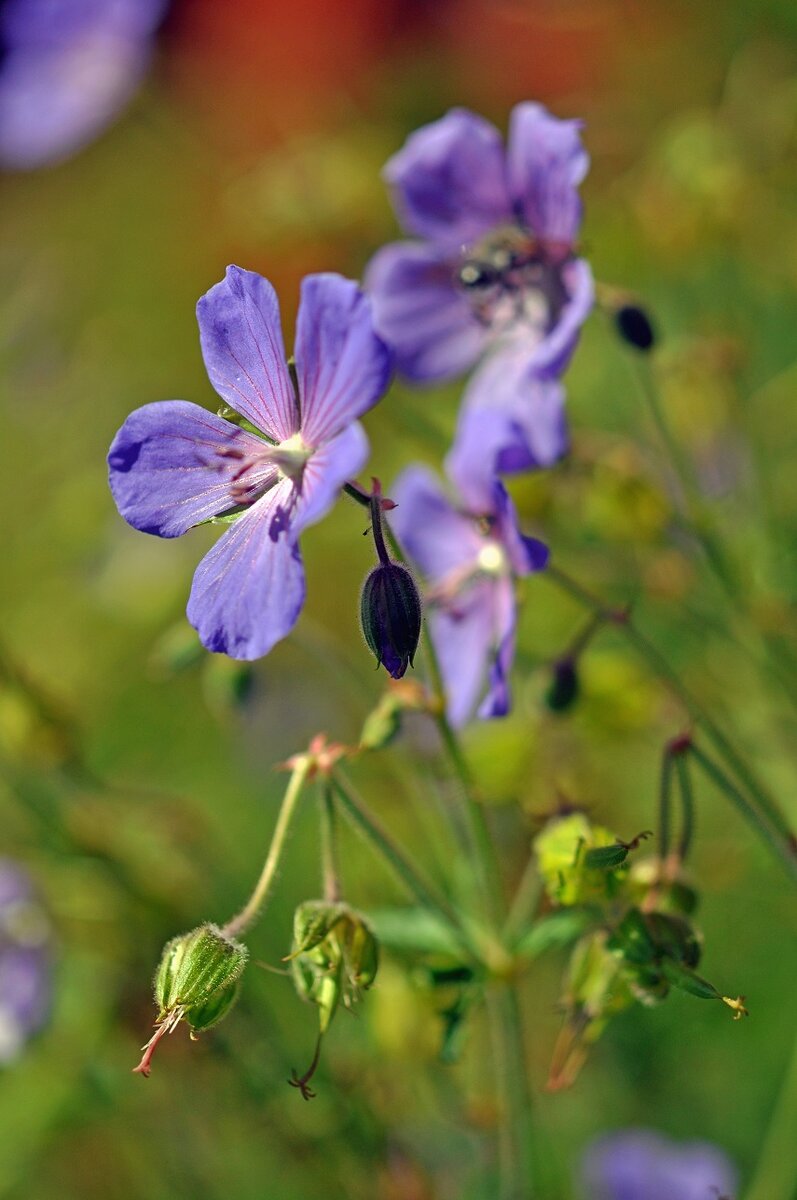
759, 806
249, 913
524, 904
776, 1169
514, 1128
687, 806
329, 837
391, 853
664, 803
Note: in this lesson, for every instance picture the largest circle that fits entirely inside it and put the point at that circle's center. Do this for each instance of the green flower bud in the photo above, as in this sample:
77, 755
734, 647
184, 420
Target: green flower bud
334, 957
196, 981
382, 724
580, 863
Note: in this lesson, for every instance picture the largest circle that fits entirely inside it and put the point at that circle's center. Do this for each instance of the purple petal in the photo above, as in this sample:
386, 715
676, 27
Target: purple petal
526, 554
463, 636
172, 465
421, 314
497, 702
249, 589
437, 538
449, 179
342, 366
510, 421
241, 335
639, 1164
327, 471
554, 351
15, 885
546, 163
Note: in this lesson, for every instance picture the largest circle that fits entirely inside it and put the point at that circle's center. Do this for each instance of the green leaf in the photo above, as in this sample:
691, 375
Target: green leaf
413, 929
558, 929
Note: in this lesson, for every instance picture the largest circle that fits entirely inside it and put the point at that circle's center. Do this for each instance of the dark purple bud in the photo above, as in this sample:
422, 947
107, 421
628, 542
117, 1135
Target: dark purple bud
390, 614
564, 687
634, 326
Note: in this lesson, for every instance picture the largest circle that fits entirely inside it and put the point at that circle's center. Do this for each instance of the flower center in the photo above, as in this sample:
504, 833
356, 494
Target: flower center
492, 559
256, 474
511, 281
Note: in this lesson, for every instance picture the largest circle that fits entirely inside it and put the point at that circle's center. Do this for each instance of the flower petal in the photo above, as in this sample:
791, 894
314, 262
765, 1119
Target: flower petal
342, 366
241, 336
437, 538
172, 465
249, 589
510, 421
327, 471
526, 554
421, 314
554, 351
463, 638
497, 702
546, 163
449, 179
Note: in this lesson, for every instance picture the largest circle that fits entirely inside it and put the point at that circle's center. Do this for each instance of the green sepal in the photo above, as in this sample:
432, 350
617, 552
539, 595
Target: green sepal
631, 940
604, 858
681, 977
208, 1013
196, 967
334, 957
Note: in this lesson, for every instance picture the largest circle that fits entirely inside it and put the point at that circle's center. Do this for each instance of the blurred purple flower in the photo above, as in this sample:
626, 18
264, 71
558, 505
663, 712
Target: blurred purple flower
470, 556
69, 67
24, 961
639, 1164
496, 266
174, 465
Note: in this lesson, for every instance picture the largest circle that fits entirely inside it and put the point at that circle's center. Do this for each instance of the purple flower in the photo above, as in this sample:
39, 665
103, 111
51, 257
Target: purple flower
70, 67
496, 263
24, 961
639, 1164
471, 556
174, 465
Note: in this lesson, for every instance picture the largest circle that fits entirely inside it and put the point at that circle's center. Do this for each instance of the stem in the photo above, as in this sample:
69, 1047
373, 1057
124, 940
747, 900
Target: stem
524, 904
329, 838
376, 527
251, 909
514, 1129
776, 1169
664, 803
759, 806
378, 837
748, 810
687, 806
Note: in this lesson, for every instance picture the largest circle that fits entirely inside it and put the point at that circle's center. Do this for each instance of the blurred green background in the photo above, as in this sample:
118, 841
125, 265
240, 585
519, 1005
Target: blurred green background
142, 796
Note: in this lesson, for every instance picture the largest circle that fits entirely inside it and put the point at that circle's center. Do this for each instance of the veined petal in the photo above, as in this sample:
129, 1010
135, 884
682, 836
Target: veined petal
463, 637
437, 538
509, 421
241, 336
449, 179
421, 314
497, 702
342, 366
173, 465
554, 351
546, 163
249, 589
326, 472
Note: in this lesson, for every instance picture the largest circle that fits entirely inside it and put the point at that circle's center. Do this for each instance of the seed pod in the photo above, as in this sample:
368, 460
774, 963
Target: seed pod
631, 940
675, 938
334, 957
196, 972
390, 614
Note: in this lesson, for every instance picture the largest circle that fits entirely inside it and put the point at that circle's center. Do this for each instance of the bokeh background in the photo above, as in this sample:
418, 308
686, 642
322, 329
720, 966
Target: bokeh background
137, 780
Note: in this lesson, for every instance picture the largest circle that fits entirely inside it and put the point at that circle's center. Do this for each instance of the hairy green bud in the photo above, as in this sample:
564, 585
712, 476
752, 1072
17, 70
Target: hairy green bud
334, 957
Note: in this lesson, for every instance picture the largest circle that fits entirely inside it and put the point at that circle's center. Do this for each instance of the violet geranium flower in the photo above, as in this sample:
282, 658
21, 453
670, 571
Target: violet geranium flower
495, 265
471, 556
24, 961
640, 1164
69, 68
174, 465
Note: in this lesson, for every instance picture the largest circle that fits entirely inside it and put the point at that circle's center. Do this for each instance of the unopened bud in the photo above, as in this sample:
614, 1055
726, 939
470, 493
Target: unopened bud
564, 687
390, 614
634, 326
196, 982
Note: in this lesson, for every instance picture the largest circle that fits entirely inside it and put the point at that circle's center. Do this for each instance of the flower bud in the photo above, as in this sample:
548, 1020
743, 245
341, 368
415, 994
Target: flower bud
196, 970
390, 614
564, 687
334, 957
634, 326
579, 862
196, 982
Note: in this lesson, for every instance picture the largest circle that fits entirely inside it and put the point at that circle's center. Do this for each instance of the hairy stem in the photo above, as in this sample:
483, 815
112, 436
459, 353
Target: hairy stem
251, 910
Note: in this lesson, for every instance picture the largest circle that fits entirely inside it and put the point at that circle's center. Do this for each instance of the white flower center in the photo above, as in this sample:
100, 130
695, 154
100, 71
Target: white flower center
492, 559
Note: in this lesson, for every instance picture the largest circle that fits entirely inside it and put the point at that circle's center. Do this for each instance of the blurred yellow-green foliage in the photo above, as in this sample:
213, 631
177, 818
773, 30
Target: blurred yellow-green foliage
137, 781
